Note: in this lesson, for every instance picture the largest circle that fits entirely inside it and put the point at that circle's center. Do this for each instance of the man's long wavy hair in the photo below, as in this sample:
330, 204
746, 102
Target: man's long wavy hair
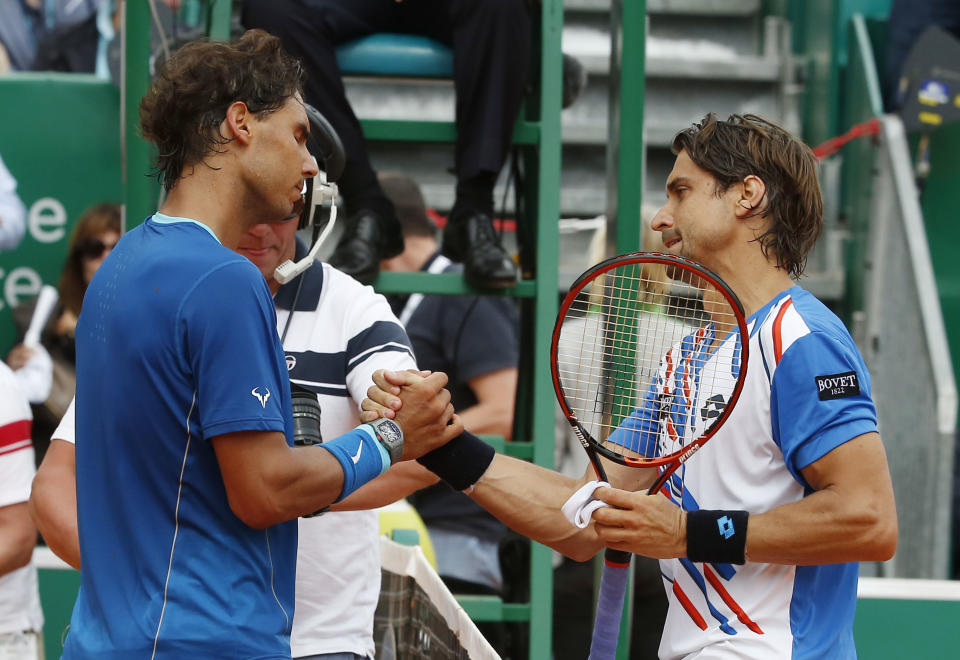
743, 145
188, 99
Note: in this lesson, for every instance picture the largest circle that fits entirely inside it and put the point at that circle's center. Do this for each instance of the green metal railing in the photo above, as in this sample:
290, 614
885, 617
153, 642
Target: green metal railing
140, 191
537, 137
625, 156
625, 162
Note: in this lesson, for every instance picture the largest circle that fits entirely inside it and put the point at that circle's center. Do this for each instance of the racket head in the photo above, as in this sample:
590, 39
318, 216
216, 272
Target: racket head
648, 357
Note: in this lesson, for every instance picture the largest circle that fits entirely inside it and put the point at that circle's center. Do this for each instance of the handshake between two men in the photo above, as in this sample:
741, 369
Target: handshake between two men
415, 406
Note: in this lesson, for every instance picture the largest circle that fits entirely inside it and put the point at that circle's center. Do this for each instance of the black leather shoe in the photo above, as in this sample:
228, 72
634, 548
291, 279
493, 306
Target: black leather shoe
360, 249
473, 241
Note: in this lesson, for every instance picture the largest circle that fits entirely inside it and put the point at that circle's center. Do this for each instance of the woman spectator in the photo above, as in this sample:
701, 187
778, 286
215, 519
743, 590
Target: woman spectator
94, 235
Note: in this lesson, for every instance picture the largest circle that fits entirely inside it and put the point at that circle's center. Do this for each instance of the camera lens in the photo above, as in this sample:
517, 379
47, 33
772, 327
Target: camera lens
306, 416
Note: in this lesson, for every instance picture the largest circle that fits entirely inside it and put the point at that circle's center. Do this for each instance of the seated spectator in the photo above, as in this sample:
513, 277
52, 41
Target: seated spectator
49, 35
168, 31
490, 40
95, 234
21, 619
908, 19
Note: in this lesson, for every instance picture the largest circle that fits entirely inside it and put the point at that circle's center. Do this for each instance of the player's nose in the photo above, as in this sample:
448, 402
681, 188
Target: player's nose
310, 167
662, 220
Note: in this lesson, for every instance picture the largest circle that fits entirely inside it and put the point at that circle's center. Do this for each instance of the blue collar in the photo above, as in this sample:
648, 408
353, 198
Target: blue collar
163, 219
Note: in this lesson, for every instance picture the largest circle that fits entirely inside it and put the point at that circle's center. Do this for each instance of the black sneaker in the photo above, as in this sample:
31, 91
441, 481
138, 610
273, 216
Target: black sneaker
472, 240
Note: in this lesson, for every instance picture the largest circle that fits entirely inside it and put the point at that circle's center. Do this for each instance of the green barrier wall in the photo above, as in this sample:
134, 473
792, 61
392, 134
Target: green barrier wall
60, 138
885, 629
58, 591
888, 629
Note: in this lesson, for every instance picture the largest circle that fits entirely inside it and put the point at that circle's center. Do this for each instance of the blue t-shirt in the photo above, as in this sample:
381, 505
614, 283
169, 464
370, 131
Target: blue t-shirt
176, 344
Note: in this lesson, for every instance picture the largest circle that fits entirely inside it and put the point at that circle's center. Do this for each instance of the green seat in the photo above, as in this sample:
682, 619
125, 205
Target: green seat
389, 54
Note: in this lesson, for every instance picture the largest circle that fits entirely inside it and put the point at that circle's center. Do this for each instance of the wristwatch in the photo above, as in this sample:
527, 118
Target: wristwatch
390, 436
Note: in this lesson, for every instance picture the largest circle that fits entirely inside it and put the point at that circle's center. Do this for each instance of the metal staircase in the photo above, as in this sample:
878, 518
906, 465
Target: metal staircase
724, 56
719, 55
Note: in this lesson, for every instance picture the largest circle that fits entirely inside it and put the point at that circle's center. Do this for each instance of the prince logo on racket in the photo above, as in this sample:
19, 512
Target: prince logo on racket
760, 530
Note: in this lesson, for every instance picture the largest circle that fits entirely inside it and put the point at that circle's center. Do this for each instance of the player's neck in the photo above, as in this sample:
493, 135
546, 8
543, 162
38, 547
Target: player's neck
202, 199
755, 279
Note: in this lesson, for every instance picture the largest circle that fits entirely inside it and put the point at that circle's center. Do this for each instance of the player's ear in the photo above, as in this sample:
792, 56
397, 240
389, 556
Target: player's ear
753, 192
237, 122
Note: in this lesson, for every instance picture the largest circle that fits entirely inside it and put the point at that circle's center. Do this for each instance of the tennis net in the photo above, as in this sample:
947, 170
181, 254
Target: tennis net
417, 616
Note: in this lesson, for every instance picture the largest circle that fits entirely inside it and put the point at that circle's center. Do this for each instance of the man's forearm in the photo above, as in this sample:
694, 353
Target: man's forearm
821, 529
851, 516
54, 510
17, 537
398, 482
527, 498
268, 482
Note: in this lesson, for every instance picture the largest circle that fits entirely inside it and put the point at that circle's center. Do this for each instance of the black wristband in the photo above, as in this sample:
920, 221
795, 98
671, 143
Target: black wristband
461, 462
717, 536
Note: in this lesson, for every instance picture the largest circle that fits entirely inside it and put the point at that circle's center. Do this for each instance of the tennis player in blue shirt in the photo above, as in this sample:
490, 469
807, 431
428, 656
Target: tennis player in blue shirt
188, 486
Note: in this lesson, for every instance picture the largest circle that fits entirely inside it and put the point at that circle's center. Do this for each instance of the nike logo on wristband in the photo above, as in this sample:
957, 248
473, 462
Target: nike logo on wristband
356, 457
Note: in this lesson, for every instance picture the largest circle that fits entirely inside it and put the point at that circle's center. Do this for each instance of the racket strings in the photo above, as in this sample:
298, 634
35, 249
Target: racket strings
646, 361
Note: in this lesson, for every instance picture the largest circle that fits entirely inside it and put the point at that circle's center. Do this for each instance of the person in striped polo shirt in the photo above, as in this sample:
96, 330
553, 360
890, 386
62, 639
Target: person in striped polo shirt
21, 618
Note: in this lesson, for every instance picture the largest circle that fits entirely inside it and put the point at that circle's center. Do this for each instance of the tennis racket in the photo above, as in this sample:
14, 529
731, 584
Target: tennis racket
649, 356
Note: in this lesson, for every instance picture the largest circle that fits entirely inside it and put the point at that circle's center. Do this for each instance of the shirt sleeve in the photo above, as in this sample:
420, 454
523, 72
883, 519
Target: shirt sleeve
229, 336
640, 430
13, 213
377, 341
16, 447
67, 429
36, 376
819, 399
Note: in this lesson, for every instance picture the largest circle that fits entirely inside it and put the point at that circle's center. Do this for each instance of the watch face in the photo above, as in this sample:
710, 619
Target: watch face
390, 431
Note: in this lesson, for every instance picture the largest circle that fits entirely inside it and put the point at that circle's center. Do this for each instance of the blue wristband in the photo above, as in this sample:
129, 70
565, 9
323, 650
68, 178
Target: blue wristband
361, 456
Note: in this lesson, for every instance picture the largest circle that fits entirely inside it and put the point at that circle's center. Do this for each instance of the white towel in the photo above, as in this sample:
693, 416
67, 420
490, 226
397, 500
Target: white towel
581, 505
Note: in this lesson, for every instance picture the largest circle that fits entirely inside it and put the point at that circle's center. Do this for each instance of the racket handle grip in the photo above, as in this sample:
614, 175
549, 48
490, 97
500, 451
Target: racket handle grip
613, 588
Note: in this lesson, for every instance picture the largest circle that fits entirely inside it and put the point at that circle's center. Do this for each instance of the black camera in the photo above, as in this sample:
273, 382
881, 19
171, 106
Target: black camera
306, 416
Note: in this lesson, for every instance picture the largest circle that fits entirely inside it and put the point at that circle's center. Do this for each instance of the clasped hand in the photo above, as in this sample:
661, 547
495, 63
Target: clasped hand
418, 402
649, 525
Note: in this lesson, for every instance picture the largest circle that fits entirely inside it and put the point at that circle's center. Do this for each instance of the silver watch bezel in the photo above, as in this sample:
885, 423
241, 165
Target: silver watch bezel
394, 445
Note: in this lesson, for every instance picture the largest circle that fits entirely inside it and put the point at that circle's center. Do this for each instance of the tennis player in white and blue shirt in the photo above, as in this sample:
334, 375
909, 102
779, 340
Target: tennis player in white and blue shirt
806, 392
761, 532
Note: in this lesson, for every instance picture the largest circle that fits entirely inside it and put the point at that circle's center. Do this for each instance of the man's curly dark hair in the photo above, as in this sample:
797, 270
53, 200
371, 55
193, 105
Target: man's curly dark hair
188, 98
743, 145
